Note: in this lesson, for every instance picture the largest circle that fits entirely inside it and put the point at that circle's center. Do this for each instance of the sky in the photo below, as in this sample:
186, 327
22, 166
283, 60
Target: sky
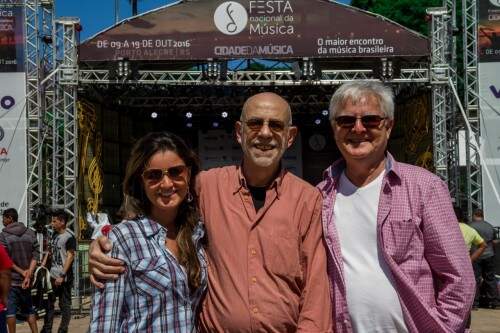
97, 15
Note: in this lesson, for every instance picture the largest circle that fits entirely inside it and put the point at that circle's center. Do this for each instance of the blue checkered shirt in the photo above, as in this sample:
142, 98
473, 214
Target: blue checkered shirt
152, 295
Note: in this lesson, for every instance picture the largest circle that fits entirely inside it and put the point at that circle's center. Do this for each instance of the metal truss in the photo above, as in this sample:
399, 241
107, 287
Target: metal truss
440, 72
48, 87
34, 100
65, 130
64, 192
217, 102
248, 78
451, 103
471, 104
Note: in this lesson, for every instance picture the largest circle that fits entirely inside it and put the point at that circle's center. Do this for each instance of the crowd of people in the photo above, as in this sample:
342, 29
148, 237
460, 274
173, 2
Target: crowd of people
375, 247
22, 267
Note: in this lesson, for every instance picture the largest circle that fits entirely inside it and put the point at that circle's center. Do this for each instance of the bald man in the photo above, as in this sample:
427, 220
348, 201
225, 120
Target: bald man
267, 261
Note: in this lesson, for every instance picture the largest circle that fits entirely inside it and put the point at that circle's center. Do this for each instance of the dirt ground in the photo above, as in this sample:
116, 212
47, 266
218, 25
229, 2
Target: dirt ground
483, 321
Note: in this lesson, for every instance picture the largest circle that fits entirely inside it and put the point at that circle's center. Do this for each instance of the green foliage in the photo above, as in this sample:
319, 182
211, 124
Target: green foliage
409, 13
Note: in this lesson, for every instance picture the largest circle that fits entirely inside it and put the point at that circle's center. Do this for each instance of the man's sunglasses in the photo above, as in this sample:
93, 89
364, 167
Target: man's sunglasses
369, 121
255, 124
156, 175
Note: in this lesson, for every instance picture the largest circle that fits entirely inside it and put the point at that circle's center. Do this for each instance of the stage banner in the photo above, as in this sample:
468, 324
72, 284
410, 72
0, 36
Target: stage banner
489, 30
489, 104
13, 169
218, 148
11, 36
200, 30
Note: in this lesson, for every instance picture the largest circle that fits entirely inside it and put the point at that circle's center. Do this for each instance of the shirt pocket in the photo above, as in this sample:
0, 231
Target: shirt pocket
402, 239
152, 276
281, 254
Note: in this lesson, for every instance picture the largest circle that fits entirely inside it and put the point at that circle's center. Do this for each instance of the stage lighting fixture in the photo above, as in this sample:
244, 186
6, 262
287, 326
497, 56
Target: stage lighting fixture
189, 125
154, 115
215, 70
324, 113
123, 68
224, 114
189, 115
317, 121
215, 124
387, 70
306, 69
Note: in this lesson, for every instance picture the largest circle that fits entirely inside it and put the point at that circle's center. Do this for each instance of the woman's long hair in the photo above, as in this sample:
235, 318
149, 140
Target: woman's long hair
136, 203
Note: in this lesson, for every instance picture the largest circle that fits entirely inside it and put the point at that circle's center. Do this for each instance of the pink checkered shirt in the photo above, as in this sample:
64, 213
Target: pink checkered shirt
421, 242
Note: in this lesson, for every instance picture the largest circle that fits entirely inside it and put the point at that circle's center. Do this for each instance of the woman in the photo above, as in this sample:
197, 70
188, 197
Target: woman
159, 241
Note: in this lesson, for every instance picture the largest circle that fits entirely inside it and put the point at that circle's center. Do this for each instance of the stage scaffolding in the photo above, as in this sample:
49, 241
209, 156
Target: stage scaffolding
52, 131
53, 77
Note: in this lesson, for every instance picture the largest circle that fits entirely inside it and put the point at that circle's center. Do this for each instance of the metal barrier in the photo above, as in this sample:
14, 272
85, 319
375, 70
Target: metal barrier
81, 303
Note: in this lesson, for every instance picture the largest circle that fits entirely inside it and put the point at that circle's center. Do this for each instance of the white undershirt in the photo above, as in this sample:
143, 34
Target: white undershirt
371, 297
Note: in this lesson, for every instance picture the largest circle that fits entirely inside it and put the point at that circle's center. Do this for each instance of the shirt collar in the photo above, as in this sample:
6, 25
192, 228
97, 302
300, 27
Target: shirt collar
151, 228
148, 226
276, 184
392, 167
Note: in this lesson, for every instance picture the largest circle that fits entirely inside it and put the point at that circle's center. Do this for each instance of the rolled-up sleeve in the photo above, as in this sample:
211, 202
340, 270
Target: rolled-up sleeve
315, 304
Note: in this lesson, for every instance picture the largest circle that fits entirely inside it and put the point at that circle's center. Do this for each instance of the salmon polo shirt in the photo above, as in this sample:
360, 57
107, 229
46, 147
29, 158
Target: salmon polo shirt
267, 268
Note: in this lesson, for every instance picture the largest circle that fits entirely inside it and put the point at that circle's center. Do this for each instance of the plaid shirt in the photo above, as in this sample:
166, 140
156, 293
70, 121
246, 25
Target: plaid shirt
152, 295
420, 240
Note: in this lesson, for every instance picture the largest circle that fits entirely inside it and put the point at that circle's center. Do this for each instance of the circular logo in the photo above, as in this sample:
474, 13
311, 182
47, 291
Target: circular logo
230, 18
7, 102
495, 2
2, 133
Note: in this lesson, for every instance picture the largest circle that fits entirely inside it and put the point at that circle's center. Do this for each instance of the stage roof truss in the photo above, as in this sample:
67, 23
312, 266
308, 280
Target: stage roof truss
244, 78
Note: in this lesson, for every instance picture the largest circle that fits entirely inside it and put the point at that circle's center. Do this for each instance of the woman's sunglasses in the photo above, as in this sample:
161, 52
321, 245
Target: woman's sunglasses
156, 175
369, 121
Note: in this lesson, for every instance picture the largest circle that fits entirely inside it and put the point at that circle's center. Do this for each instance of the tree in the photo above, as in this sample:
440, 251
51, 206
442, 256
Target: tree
409, 13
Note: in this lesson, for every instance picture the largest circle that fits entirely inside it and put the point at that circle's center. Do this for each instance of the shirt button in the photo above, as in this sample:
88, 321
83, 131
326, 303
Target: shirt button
255, 310
254, 279
253, 252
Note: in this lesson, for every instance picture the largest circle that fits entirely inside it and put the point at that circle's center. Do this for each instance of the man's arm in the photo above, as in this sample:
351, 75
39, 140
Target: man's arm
70, 247
448, 258
315, 304
44, 260
69, 261
70, 256
478, 251
18, 269
4, 285
102, 266
27, 274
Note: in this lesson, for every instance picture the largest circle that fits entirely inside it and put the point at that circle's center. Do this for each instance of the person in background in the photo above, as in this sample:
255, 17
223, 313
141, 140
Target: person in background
62, 255
160, 242
396, 258
484, 266
5, 277
22, 247
475, 244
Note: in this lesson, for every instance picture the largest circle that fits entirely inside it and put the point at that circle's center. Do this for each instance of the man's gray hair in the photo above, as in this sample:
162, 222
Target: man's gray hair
355, 91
